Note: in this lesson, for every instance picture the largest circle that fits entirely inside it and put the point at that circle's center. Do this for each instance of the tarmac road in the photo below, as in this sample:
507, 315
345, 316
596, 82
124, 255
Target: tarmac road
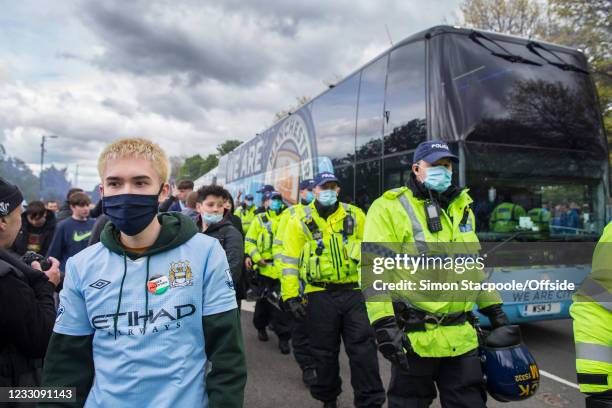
275, 380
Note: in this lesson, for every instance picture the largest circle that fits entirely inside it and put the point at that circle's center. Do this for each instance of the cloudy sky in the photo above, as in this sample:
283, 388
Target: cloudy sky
186, 74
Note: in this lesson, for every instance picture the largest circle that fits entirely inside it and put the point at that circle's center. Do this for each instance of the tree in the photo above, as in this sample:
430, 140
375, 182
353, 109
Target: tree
517, 17
175, 166
17, 172
55, 184
196, 166
227, 146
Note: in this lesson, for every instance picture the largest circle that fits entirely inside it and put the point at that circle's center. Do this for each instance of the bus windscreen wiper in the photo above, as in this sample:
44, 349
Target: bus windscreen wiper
507, 55
532, 45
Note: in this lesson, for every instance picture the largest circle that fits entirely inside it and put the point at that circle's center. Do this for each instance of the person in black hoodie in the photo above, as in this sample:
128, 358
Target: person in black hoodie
27, 308
37, 228
211, 221
228, 205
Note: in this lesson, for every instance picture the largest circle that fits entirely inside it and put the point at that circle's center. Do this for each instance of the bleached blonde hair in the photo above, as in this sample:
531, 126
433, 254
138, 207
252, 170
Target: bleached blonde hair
136, 148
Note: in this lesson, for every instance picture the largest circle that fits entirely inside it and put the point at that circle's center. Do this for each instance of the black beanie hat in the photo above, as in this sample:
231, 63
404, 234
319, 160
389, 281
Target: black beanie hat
10, 197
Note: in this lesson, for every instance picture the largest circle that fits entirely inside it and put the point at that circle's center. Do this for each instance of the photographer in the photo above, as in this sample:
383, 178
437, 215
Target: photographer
27, 309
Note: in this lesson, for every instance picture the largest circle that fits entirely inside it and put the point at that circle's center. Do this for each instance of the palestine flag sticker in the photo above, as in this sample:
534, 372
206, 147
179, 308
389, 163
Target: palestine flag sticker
158, 284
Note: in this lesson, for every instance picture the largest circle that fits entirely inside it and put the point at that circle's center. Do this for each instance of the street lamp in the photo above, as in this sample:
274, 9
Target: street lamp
42, 161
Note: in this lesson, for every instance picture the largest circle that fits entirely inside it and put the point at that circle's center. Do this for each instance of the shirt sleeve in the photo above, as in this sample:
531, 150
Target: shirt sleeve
72, 318
218, 294
55, 249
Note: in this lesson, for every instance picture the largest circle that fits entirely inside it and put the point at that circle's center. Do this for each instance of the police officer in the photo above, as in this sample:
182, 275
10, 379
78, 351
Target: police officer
592, 314
246, 212
258, 247
327, 239
427, 354
299, 334
267, 188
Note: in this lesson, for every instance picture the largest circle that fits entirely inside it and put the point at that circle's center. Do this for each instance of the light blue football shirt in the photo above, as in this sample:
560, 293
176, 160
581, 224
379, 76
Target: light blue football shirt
164, 364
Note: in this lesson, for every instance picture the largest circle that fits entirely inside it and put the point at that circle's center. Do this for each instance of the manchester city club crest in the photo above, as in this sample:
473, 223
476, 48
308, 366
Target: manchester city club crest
180, 274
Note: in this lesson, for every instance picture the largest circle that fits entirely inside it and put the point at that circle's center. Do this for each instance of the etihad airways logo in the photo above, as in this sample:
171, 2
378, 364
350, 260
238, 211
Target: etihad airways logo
157, 320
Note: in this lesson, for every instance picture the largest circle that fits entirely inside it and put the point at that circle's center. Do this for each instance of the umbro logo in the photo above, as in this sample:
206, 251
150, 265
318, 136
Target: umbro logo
99, 284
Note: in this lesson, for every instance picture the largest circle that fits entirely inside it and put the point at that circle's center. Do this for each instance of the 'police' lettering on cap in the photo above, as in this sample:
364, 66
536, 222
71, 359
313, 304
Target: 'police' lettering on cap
433, 150
325, 177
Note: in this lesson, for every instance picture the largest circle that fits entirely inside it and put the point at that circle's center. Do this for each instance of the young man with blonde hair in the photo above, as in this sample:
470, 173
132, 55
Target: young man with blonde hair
150, 309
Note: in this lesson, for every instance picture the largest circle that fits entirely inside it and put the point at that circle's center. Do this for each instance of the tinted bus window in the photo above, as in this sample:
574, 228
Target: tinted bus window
346, 176
397, 170
405, 122
334, 115
367, 183
370, 111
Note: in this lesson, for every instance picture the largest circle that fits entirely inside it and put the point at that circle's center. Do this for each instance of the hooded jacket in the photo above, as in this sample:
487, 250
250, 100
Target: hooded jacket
45, 234
139, 322
232, 243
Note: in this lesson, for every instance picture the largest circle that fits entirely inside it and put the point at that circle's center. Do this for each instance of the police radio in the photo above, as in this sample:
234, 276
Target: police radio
432, 213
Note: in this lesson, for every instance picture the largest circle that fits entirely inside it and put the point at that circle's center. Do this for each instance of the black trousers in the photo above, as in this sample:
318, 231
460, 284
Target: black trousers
336, 315
600, 400
301, 344
265, 313
459, 380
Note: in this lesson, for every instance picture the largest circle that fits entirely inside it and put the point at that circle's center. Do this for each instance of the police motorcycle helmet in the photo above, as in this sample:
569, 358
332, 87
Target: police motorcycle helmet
510, 370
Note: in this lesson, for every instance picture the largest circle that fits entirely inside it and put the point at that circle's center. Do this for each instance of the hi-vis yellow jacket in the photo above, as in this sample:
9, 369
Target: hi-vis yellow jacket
592, 314
323, 251
259, 241
246, 216
286, 215
399, 217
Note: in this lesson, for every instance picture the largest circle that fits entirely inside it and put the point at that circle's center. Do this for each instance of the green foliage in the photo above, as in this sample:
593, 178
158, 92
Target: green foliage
517, 17
17, 172
196, 166
227, 146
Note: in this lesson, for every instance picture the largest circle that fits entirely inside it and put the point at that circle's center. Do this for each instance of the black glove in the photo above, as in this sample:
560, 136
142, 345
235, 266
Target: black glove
296, 308
496, 315
392, 342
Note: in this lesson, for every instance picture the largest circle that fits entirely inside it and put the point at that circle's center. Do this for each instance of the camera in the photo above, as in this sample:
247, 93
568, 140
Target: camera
32, 256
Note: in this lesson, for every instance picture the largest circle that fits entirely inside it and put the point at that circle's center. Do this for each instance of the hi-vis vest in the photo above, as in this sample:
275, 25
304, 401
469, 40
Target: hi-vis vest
321, 251
246, 216
505, 217
399, 217
592, 314
259, 241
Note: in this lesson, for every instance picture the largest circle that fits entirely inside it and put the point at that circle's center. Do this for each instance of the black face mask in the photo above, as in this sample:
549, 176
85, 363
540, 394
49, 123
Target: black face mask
131, 213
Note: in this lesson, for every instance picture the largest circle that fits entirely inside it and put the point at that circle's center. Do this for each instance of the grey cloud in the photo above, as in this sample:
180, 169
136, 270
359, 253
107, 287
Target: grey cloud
140, 42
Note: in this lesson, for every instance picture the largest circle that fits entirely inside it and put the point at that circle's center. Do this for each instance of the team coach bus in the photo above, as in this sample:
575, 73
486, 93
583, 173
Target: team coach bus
522, 116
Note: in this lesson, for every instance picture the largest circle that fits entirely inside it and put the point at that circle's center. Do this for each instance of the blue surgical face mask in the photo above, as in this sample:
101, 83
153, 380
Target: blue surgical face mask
212, 218
327, 197
276, 205
131, 213
248, 203
438, 178
309, 197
